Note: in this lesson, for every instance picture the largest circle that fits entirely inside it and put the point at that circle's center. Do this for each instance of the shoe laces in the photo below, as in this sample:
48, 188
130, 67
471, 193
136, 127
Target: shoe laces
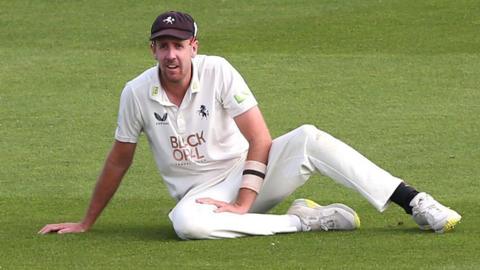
428, 207
327, 224
324, 223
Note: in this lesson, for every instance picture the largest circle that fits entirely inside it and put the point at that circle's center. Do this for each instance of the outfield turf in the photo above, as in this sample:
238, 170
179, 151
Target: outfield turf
398, 80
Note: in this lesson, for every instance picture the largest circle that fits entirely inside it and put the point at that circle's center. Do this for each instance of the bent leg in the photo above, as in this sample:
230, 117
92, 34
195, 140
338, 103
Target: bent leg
295, 156
192, 220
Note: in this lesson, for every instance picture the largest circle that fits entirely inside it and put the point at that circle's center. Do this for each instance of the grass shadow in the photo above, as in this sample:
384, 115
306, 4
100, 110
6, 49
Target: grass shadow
141, 232
395, 230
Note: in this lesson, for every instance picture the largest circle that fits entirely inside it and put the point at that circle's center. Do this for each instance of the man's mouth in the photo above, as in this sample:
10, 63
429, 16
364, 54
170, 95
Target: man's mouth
171, 66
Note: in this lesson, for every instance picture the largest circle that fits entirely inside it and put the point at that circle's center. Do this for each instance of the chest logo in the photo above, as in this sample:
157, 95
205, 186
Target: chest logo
161, 118
203, 112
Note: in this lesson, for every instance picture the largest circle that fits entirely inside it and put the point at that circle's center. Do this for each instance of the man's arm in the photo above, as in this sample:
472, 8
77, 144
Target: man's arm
254, 129
118, 161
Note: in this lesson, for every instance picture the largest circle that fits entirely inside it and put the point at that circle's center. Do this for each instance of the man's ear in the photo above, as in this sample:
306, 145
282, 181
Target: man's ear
152, 49
194, 47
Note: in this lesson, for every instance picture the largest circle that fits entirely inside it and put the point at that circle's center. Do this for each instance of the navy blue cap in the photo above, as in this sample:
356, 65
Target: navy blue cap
174, 24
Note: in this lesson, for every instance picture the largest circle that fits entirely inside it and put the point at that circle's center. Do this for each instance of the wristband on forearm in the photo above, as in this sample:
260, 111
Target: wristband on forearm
253, 175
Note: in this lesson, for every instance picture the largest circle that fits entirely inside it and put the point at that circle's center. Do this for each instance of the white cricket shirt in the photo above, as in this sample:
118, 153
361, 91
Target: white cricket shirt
197, 144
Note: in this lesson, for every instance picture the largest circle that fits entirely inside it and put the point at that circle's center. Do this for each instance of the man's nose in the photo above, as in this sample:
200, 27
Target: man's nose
171, 53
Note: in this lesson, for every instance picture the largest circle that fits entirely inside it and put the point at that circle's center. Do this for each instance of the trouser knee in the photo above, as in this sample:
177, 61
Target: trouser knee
306, 134
308, 131
189, 224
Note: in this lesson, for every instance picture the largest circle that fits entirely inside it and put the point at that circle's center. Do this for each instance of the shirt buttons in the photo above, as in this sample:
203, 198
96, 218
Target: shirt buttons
181, 123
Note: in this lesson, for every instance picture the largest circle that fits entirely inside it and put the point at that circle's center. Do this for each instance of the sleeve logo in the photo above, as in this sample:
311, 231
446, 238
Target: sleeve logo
241, 97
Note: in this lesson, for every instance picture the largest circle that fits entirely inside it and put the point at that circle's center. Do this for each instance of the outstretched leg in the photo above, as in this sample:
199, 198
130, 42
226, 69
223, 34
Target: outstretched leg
295, 156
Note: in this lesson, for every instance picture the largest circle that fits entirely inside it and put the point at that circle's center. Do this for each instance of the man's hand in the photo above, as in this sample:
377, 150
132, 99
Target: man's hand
245, 199
62, 228
117, 163
224, 206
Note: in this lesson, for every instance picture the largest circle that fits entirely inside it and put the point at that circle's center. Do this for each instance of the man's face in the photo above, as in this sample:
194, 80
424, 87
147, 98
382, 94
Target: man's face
175, 58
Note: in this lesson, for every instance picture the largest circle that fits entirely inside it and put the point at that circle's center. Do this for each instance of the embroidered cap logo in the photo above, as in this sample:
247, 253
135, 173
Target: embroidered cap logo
169, 20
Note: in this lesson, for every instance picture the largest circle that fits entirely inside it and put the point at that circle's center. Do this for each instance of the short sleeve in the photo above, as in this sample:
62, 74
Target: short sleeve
129, 123
236, 96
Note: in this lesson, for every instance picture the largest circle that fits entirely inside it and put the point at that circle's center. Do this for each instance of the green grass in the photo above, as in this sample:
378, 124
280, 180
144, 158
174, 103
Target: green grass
398, 80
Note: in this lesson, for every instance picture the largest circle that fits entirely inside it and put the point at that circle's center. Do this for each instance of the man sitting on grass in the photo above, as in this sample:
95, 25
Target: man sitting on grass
215, 153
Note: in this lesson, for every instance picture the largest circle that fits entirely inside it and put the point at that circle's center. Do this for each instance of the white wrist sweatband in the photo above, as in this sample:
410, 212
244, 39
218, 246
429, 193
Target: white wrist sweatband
253, 175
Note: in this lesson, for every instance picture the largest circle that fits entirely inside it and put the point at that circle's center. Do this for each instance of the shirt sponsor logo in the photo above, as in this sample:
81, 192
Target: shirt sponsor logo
187, 148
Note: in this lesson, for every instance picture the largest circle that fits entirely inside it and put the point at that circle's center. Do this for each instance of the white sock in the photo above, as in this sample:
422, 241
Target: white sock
295, 222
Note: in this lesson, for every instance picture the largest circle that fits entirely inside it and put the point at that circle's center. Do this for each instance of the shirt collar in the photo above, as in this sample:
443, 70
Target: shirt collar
195, 83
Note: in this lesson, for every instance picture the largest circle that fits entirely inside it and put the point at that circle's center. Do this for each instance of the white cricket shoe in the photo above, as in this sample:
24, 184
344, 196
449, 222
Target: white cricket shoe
315, 217
431, 215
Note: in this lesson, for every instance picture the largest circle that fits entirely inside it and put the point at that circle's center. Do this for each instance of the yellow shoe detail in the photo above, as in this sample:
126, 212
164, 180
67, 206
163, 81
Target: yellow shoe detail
311, 204
451, 224
357, 220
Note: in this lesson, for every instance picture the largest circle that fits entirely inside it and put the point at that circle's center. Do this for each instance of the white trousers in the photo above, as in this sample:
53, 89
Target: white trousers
293, 158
